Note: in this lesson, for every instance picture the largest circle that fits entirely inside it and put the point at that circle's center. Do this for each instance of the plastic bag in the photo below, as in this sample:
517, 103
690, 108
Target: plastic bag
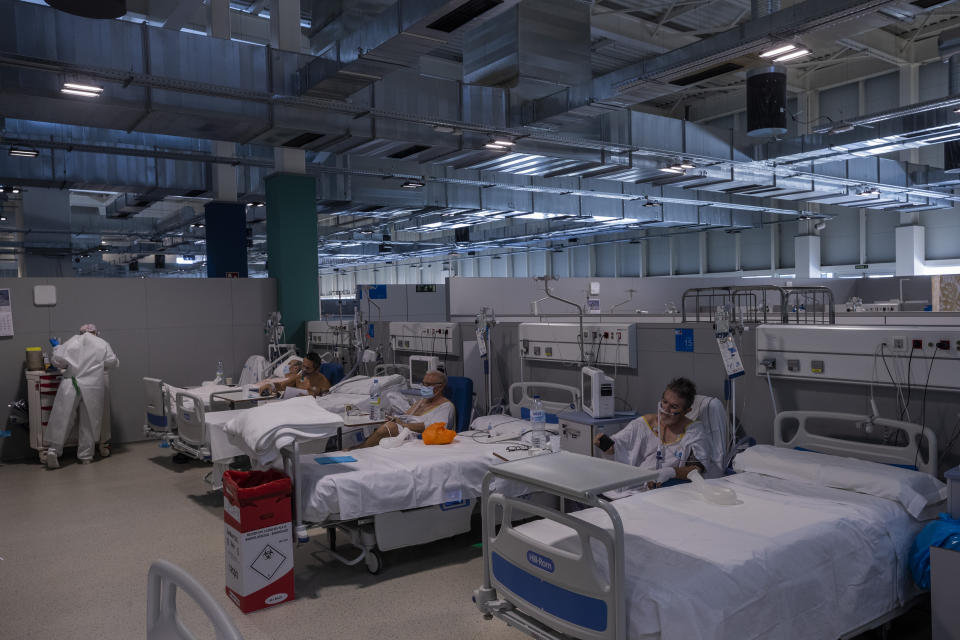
437, 433
944, 532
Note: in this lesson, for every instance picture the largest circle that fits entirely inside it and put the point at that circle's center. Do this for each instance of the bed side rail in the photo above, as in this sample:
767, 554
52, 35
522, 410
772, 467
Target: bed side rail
191, 419
558, 586
919, 450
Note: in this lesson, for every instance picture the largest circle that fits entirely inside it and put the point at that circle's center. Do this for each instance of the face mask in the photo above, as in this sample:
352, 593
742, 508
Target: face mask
426, 392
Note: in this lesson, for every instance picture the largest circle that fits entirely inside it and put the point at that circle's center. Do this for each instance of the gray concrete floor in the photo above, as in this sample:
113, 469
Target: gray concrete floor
76, 544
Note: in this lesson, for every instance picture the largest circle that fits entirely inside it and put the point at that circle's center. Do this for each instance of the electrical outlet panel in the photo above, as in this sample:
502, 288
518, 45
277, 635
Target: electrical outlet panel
328, 333
429, 338
603, 344
857, 354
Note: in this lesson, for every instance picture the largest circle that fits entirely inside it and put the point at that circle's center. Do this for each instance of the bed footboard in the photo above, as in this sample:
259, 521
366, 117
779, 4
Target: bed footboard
556, 590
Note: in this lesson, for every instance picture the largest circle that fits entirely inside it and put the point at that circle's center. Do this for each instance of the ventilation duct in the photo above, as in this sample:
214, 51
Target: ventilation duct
766, 102
533, 48
949, 46
101, 9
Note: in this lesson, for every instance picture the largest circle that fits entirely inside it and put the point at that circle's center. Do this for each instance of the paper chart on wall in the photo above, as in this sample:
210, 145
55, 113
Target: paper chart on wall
6, 313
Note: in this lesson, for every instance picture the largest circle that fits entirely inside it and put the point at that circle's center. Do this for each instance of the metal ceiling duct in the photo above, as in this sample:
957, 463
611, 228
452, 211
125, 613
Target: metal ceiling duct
100, 10
533, 49
949, 46
392, 40
766, 102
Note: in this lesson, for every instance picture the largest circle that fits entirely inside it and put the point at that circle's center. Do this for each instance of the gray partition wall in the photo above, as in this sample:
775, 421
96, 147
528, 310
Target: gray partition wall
170, 328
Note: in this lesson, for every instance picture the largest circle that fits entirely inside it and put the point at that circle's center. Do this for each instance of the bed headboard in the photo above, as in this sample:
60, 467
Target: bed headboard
875, 452
555, 397
387, 369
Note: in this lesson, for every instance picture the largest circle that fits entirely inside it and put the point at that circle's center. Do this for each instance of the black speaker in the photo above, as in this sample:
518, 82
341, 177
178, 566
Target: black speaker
159, 261
461, 234
951, 156
101, 9
766, 102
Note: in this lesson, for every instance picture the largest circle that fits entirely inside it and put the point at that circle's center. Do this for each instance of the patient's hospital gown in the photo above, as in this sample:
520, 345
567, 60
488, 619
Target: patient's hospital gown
445, 413
636, 445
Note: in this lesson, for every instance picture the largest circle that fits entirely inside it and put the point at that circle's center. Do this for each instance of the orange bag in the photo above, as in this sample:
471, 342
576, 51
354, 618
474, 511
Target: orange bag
437, 433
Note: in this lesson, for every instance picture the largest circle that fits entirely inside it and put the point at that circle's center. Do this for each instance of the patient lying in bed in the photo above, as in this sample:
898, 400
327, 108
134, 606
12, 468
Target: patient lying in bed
429, 409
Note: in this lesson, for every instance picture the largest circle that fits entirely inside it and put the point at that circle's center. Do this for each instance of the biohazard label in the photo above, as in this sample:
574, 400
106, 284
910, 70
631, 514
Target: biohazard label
268, 561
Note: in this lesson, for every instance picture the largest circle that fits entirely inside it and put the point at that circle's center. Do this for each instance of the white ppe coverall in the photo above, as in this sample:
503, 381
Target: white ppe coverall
83, 359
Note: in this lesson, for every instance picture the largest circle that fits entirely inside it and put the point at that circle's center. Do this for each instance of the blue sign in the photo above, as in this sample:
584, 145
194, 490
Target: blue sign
539, 561
684, 339
378, 292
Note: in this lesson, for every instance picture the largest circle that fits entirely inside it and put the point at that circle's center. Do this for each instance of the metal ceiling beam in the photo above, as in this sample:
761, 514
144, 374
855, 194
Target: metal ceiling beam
746, 38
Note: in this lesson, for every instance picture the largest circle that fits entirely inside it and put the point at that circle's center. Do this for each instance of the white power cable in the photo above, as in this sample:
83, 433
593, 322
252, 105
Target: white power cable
773, 400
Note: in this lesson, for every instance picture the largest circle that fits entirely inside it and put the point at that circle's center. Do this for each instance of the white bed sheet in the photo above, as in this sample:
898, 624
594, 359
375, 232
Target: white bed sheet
262, 431
790, 561
383, 480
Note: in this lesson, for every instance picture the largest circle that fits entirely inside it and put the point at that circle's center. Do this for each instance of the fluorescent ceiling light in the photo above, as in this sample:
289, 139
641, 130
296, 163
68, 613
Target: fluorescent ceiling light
537, 215
793, 55
686, 164
412, 184
89, 88
881, 275
85, 94
777, 51
752, 277
503, 141
432, 225
23, 152
671, 169
496, 146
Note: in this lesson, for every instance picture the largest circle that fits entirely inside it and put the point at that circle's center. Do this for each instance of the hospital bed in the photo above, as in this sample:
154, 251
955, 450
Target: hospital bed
815, 547
386, 499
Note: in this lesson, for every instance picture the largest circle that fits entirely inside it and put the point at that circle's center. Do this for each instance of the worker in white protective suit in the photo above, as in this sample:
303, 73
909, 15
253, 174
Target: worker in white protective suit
84, 359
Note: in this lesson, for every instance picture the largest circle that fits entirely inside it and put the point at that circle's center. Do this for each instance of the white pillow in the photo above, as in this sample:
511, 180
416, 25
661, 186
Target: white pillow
500, 425
914, 490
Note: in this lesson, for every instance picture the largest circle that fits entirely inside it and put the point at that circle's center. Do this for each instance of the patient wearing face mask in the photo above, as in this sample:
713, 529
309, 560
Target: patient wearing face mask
666, 441
429, 409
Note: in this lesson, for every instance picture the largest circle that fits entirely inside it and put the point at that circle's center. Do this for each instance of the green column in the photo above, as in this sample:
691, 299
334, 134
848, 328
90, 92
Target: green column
292, 250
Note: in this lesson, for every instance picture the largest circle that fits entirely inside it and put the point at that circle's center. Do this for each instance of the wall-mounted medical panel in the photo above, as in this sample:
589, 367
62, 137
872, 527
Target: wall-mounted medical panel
884, 355
325, 333
428, 338
603, 344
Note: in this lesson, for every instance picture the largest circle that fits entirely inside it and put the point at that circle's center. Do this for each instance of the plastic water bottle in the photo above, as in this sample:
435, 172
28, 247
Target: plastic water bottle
219, 379
538, 421
376, 410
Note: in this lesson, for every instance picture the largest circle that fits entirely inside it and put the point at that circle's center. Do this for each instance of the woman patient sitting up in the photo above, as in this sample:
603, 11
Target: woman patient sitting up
666, 441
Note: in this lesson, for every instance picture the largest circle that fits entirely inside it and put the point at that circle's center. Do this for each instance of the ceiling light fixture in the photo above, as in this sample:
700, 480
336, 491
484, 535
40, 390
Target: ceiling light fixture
504, 141
496, 146
673, 169
23, 152
686, 164
793, 55
413, 184
770, 53
84, 90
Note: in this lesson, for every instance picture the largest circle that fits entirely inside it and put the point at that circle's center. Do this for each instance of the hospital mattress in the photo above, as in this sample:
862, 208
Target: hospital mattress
791, 561
383, 480
262, 431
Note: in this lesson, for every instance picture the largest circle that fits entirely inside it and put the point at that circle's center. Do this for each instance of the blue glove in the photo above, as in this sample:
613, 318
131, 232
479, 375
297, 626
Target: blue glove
54, 342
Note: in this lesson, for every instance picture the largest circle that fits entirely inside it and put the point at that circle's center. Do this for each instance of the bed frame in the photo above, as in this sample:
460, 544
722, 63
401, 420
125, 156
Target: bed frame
550, 593
412, 526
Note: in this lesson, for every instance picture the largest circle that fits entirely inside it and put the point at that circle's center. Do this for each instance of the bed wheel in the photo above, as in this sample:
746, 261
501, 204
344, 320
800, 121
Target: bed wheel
374, 561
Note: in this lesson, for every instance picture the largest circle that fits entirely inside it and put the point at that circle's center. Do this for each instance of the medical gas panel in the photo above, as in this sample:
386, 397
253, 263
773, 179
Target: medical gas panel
330, 333
883, 355
436, 338
603, 344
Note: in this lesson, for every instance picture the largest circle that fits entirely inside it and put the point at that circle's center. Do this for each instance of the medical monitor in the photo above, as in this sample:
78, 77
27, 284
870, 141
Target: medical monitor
419, 365
597, 396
